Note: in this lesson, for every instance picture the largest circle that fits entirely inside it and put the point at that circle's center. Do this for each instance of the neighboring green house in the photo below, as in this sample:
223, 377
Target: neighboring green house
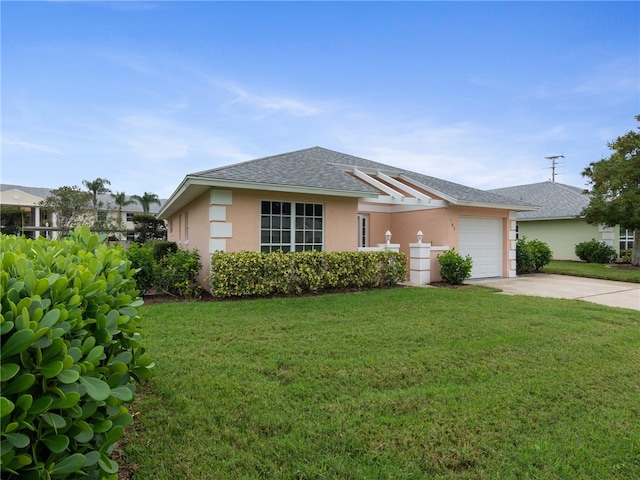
558, 222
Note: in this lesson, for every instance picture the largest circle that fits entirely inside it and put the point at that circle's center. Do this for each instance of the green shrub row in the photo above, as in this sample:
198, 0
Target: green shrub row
594, 251
247, 274
531, 255
71, 352
163, 265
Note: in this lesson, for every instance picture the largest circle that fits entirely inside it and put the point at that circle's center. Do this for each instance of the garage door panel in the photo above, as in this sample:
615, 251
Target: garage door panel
481, 238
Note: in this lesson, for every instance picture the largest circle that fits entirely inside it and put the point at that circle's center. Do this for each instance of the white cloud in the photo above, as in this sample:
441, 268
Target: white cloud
268, 104
31, 146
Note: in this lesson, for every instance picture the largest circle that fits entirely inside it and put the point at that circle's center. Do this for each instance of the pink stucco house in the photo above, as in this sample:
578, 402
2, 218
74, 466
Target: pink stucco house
325, 200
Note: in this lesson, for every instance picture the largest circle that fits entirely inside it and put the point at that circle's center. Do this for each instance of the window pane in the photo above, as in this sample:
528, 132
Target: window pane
317, 237
275, 237
286, 222
275, 222
264, 221
266, 207
299, 236
264, 236
286, 237
286, 209
318, 210
275, 208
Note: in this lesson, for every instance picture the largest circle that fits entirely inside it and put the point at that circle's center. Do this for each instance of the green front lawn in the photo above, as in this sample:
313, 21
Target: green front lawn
423, 383
594, 270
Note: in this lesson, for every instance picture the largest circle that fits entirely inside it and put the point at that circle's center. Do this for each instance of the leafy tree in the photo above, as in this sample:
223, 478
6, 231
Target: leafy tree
95, 187
615, 193
11, 218
71, 205
148, 227
146, 200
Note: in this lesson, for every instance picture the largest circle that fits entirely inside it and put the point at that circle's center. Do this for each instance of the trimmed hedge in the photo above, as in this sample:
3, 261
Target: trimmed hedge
594, 251
247, 274
532, 255
70, 353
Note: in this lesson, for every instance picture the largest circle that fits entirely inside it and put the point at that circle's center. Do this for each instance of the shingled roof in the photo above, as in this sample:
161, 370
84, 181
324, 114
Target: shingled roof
323, 171
555, 199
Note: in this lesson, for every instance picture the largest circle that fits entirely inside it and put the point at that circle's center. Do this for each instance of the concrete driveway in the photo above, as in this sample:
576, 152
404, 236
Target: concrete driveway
604, 292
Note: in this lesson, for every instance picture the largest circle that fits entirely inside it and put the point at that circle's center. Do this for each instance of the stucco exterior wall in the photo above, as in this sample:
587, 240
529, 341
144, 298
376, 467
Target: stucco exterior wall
229, 220
440, 228
562, 235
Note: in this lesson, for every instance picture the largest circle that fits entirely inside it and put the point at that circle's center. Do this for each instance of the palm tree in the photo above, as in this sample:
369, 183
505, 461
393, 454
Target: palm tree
146, 200
99, 185
120, 199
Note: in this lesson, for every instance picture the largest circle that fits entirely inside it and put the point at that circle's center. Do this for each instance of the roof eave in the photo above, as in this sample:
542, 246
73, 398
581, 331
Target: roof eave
178, 199
501, 206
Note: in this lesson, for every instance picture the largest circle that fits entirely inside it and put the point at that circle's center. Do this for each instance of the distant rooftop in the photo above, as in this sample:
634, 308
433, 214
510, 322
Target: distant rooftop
106, 199
555, 199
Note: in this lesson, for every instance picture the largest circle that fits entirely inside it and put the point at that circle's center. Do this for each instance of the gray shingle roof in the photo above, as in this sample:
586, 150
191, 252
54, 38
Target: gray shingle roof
555, 199
318, 167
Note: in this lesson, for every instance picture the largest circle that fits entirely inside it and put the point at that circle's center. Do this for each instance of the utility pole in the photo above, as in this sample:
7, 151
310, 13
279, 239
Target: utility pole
554, 164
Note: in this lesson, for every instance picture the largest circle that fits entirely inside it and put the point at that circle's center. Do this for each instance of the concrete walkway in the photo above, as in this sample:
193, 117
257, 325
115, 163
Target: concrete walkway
604, 292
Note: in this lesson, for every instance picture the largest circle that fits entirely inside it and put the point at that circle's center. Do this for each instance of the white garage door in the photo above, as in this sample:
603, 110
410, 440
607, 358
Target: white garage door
482, 239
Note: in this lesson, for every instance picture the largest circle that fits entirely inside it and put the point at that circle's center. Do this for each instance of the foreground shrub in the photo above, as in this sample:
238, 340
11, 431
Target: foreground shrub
143, 261
177, 271
454, 269
595, 252
625, 255
70, 353
532, 255
245, 274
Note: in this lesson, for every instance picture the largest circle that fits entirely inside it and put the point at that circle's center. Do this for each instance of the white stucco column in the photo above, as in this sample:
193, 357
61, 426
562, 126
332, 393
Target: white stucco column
420, 263
36, 220
513, 233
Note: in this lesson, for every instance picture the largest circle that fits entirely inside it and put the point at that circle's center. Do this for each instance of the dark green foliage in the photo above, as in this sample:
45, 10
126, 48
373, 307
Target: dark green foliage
245, 274
615, 192
595, 252
161, 248
148, 227
70, 353
143, 260
11, 219
454, 268
532, 255
177, 271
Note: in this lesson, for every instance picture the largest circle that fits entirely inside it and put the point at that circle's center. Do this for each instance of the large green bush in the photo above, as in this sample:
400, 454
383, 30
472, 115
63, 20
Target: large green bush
71, 350
245, 274
143, 261
595, 252
454, 268
531, 255
177, 271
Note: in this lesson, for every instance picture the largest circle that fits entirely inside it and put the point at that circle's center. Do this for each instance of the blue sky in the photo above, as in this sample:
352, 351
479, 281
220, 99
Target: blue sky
143, 93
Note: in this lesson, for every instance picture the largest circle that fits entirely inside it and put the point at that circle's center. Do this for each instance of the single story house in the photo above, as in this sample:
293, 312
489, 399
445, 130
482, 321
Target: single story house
319, 199
558, 222
39, 221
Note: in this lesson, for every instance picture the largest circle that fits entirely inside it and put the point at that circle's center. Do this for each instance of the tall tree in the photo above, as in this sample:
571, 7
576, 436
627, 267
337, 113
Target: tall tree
71, 205
96, 187
615, 192
121, 201
146, 200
